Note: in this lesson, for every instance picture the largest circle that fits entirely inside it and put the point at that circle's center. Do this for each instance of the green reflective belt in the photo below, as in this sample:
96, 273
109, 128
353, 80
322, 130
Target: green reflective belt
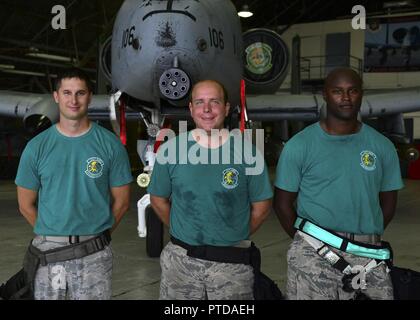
340, 243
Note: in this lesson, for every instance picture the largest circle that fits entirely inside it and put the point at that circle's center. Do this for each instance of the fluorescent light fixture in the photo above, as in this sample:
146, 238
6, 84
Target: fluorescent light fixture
398, 4
7, 66
245, 13
29, 73
50, 56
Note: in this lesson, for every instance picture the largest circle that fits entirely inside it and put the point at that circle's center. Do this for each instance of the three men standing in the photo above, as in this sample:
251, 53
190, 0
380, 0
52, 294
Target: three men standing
343, 174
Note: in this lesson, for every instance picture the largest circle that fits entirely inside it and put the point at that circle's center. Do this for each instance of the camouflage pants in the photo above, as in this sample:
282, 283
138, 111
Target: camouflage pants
187, 278
88, 278
311, 277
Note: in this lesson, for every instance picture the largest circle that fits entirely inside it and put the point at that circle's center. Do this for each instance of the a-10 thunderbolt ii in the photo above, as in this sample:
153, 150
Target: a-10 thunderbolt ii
160, 48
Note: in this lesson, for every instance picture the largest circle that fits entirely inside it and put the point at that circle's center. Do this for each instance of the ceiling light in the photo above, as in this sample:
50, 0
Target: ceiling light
398, 4
245, 13
29, 73
7, 66
50, 56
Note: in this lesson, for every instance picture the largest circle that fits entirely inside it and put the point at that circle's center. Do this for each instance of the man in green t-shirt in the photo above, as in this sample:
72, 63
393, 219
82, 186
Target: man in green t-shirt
73, 188
344, 176
209, 206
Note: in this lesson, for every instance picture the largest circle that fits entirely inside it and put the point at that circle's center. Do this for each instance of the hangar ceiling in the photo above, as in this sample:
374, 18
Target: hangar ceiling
26, 28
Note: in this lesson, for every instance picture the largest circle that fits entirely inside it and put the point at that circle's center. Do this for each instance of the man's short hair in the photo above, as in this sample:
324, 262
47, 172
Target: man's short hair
343, 71
225, 93
73, 73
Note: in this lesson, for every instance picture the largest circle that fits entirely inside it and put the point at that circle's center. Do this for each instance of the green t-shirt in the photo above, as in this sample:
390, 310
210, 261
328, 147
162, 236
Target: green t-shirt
210, 203
73, 177
338, 178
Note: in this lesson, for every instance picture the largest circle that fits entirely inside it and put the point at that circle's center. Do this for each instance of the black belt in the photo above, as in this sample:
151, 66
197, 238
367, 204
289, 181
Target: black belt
217, 253
264, 288
73, 251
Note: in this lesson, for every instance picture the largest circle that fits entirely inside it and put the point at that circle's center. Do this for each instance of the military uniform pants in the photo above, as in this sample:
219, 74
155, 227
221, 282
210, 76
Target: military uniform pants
88, 278
187, 278
311, 277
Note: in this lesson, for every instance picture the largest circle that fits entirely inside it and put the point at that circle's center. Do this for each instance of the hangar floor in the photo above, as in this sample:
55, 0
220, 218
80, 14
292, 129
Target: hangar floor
136, 276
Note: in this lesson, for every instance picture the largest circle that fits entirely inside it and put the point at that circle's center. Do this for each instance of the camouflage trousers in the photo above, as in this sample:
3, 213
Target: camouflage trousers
187, 278
87, 278
311, 277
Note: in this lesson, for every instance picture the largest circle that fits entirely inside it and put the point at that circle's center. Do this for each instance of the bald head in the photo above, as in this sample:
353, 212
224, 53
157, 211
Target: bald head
343, 74
211, 83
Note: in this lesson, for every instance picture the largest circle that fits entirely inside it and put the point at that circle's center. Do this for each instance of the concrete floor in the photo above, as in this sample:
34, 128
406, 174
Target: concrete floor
136, 276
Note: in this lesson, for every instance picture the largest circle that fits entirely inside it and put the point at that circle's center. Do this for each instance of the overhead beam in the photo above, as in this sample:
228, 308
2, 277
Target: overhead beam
40, 62
23, 43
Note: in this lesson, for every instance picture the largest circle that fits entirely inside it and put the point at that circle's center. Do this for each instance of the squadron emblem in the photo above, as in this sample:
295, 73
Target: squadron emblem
258, 58
368, 160
230, 178
94, 167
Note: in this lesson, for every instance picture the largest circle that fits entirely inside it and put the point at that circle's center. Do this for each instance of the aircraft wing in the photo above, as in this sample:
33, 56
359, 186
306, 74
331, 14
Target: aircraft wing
34, 108
284, 107
384, 104
37, 108
16, 104
308, 107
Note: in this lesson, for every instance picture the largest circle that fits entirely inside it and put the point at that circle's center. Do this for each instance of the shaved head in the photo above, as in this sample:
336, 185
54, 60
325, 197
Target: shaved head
341, 74
343, 94
210, 81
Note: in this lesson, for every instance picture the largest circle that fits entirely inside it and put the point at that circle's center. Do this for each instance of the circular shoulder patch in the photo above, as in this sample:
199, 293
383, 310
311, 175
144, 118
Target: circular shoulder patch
368, 160
230, 178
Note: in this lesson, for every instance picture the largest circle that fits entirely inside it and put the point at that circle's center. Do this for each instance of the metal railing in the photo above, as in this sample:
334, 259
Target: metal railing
315, 67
